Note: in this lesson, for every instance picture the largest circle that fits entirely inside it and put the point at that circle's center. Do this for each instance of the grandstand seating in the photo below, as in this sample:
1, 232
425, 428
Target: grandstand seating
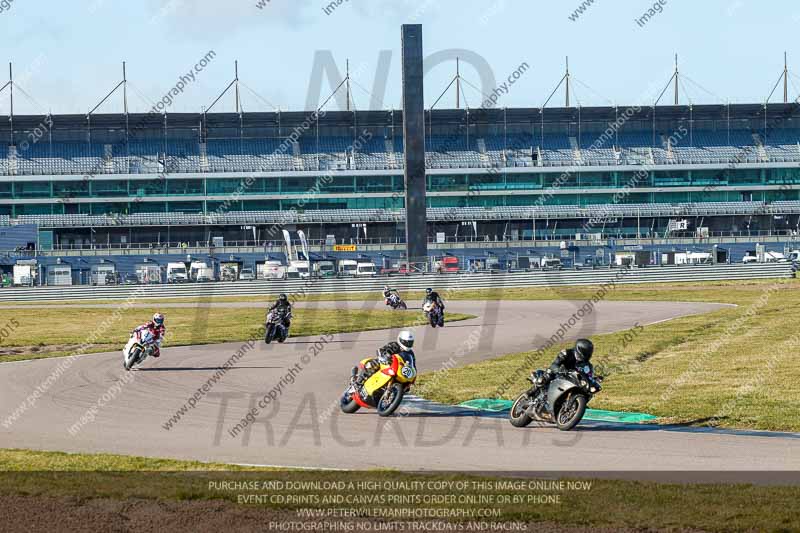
443, 152
398, 215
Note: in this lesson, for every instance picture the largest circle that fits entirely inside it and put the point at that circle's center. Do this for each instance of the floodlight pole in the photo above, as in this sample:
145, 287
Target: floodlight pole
458, 86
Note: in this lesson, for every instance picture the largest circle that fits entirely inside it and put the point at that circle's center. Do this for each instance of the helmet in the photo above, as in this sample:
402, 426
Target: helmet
428, 290
158, 319
405, 339
282, 297
385, 288
583, 350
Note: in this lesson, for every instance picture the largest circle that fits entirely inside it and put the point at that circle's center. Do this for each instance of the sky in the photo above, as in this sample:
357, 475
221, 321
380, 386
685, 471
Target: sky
67, 55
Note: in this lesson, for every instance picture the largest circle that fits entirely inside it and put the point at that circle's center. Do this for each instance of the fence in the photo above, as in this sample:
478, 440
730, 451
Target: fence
464, 280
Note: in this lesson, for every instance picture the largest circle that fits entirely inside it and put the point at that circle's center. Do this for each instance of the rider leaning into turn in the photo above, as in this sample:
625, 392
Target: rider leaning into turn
156, 329
570, 359
387, 292
282, 304
402, 347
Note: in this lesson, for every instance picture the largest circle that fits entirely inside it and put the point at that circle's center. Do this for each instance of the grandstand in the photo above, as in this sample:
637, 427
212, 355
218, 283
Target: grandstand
514, 173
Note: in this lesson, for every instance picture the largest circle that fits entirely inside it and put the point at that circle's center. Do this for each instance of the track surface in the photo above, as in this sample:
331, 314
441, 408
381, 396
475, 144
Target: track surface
304, 427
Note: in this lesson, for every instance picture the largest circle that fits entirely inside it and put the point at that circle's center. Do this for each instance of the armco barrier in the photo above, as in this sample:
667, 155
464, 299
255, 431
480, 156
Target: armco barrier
464, 280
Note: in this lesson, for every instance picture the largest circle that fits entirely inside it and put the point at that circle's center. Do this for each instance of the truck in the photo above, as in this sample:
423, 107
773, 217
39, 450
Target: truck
25, 273
298, 269
324, 269
176, 273
247, 274
271, 269
200, 271
551, 263
148, 274
366, 268
348, 267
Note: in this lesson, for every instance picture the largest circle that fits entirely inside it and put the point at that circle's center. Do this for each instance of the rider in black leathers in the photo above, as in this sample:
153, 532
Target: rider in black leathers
570, 359
282, 305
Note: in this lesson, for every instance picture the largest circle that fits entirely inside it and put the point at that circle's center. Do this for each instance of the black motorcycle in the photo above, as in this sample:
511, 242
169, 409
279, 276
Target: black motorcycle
275, 328
563, 403
434, 313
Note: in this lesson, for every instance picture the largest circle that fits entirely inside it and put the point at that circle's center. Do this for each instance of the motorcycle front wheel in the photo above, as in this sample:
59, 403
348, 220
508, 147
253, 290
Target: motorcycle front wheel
268, 336
348, 404
391, 398
570, 412
402, 305
518, 414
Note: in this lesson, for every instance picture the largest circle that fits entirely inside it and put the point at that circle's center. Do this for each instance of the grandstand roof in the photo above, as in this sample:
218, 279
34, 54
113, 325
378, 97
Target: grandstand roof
291, 119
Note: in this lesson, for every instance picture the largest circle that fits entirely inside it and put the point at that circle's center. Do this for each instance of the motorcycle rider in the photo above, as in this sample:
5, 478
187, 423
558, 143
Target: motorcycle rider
388, 293
282, 305
570, 359
402, 347
433, 296
153, 332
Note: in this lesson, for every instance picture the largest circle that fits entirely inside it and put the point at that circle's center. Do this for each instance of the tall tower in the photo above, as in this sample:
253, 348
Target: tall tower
414, 142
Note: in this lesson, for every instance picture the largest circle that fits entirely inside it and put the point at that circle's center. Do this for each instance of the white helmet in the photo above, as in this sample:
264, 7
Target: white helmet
405, 339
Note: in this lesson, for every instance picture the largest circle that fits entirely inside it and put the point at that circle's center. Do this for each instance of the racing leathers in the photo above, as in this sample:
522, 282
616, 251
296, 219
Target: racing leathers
384, 357
284, 307
151, 334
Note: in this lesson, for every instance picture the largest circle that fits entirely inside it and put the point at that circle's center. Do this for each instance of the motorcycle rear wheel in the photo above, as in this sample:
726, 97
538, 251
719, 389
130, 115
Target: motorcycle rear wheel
570, 412
395, 394
518, 414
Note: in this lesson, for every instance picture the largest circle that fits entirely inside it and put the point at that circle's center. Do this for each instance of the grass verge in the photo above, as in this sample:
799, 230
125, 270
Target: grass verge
56, 332
734, 367
592, 503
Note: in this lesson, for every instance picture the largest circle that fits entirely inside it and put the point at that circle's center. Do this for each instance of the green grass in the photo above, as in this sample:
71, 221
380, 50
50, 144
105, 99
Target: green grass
736, 366
609, 504
57, 332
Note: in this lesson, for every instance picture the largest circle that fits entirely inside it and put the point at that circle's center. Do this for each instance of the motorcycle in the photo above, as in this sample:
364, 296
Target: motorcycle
564, 401
275, 327
383, 390
434, 314
395, 302
139, 347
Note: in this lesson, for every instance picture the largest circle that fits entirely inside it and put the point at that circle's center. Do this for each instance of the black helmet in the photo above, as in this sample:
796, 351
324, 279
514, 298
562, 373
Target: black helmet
282, 297
428, 290
583, 350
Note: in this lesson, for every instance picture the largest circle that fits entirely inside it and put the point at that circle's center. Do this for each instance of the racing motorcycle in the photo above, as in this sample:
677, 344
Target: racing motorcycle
383, 390
140, 346
434, 314
395, 302
564, 401
275, 328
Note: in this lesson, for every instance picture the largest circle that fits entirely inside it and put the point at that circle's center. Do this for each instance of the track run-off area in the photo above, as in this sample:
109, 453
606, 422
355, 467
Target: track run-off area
277, 405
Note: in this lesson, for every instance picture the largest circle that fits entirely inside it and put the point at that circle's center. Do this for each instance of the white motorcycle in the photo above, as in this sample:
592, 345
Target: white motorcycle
139, 347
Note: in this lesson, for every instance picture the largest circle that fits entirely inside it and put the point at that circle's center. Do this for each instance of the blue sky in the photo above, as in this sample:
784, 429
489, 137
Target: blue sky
68, 54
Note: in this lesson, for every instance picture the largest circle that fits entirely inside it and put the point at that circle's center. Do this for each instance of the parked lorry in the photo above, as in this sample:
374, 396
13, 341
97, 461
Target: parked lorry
348, 267
324, 269
271, 270
298, 269
25, 273
200, 271
366, 268
176, 273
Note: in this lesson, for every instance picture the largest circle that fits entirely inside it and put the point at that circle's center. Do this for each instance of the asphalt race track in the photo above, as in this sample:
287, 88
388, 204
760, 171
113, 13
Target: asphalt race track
303, 426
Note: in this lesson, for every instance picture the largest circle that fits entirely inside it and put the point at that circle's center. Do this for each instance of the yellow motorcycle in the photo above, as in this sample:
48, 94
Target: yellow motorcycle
383, 390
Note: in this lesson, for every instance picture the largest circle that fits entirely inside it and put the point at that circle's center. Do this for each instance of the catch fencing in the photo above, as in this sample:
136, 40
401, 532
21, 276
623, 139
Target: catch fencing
444, 281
